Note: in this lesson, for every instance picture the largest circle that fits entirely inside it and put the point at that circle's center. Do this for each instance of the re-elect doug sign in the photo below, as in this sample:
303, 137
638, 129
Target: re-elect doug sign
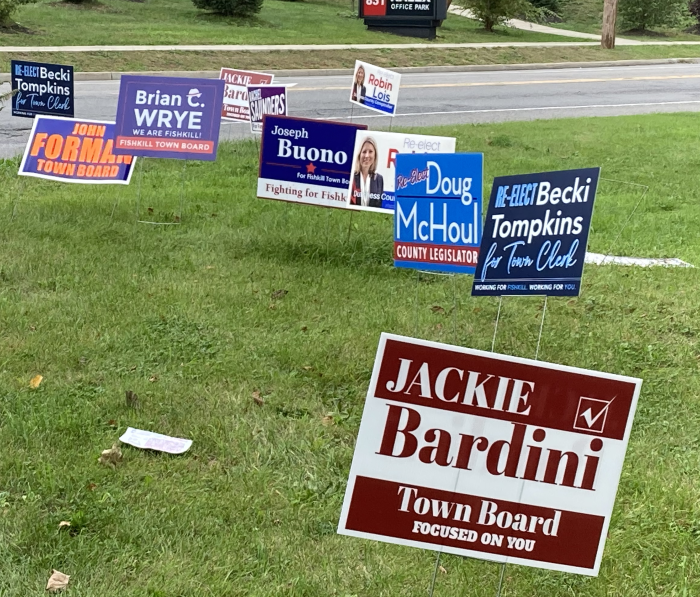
488, 456
437, 222
168, 117
535, 234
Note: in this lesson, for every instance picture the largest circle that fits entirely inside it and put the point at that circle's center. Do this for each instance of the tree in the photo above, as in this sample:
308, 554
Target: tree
495, 12
646, 14
694, 10
7, 7
229, 8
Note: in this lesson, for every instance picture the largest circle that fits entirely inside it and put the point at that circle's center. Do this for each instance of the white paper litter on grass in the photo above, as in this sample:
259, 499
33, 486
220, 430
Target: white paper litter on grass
147, 440
599, 259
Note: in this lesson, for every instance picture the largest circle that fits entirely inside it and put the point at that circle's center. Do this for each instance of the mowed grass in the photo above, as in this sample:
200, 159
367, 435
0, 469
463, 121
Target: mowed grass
190, 317
125, 22
192, 61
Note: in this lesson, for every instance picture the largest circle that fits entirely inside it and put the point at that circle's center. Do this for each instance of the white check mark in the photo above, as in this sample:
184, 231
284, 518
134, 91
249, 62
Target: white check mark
588, 414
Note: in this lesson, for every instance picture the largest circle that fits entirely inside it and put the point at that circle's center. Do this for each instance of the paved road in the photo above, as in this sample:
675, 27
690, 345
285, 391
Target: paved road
448, 98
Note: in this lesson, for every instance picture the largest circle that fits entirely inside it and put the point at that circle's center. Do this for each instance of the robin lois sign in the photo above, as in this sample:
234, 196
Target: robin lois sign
488, 456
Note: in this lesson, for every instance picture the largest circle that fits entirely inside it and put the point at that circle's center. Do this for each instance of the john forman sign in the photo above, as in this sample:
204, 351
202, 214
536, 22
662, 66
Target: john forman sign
489, 456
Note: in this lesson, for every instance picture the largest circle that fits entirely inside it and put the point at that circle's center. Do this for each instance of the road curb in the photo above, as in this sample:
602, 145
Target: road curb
210, 74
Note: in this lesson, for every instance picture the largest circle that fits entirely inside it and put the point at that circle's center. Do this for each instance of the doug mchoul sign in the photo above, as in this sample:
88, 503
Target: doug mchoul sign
437, 222
489, 456
535, 234
306, 161
42, 89
169, 117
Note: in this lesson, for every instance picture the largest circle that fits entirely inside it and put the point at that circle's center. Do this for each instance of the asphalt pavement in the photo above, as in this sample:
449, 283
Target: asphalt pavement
432, 99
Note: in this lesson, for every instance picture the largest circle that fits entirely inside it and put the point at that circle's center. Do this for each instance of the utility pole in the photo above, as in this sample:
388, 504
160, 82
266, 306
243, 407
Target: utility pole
607, 40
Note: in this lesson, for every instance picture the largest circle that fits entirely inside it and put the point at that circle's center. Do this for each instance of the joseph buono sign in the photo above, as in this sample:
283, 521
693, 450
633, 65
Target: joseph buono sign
306, 161
75, 150
41, 89
169, 117
535, 234
488, 456
437, 223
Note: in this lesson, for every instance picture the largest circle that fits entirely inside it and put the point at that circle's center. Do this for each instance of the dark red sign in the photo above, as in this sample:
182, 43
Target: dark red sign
489, 456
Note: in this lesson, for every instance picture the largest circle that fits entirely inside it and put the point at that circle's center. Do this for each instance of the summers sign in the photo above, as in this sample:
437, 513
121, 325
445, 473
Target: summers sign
489, 456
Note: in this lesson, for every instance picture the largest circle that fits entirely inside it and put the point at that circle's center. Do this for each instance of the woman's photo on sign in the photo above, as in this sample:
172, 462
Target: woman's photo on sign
358, 86
367, 183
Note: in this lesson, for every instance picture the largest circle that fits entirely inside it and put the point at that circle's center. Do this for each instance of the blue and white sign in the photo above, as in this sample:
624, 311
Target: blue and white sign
169, 117
535, 234
306, 161
375, 88
42, 89
437, 222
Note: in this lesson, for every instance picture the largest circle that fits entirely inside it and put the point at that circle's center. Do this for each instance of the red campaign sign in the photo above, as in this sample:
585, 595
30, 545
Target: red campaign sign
374, 8
489, 456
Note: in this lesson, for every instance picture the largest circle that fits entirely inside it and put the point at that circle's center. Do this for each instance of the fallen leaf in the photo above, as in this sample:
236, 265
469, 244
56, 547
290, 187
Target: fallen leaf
35, 381
91, 486
257, 398
32, 328
150, 210
132, 399
208, 267
273, 306
437, 309
62, 524
177, 218
57, 582
307, 368
111, 457
277, 294
304, 329
327, 420
112, 422
441, 569
153, 378
477, 309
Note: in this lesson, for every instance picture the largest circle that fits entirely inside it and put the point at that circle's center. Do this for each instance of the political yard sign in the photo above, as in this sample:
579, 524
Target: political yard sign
236, 105
169, 117
371, 185
535, 235
437, 222
488, 456
75, 150
306, 161
265, 100
41, 89
375, 88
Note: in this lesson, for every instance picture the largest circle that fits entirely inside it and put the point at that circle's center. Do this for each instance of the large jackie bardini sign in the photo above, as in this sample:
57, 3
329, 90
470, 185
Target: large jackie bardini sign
488, 456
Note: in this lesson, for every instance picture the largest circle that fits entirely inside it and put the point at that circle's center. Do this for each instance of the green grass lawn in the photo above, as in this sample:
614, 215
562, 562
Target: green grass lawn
120, 22
185, 317
184, 61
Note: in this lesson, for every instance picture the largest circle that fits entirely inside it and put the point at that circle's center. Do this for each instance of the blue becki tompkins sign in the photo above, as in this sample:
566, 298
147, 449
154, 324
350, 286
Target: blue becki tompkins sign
437, 221
536, 233
41, 89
